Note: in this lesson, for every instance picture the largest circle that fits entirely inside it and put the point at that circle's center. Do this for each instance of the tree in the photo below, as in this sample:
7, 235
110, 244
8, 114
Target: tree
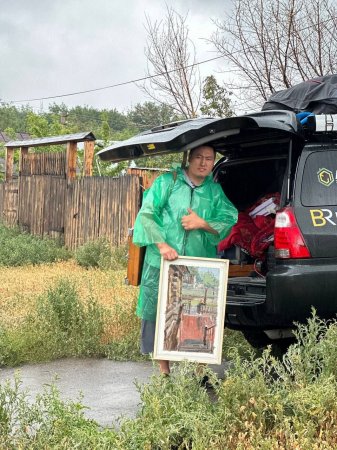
274, 44
216, 102
12, 117
209, 281
171, 54
108, 137
149, 114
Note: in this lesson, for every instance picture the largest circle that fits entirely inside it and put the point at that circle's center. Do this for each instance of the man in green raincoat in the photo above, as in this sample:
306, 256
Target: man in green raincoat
188, 215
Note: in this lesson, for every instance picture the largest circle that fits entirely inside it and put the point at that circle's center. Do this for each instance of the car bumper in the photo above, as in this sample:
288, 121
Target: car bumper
288, 294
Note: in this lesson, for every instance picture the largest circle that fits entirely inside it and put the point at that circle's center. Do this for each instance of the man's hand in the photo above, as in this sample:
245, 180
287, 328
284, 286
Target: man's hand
192, 221
166, 251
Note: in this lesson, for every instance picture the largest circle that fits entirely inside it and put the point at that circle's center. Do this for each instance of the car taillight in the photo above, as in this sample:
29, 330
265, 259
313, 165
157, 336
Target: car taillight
288, 239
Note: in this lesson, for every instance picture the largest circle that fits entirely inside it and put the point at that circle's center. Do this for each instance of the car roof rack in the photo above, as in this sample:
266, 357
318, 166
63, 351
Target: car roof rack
326, 123
318, 126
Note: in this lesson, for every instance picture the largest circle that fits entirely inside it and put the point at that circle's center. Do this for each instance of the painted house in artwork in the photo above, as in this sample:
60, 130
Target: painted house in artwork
174, 305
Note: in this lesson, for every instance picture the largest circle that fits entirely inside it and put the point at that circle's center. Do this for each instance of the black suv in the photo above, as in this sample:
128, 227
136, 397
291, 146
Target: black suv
264, 155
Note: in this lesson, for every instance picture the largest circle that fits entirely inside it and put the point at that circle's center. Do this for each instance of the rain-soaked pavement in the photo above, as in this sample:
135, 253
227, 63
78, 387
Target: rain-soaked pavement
108, 387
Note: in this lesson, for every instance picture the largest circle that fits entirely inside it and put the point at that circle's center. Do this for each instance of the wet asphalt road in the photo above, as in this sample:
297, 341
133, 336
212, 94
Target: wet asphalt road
108, 387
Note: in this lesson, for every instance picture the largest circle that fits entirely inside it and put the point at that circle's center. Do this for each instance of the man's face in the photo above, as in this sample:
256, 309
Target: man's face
201, 163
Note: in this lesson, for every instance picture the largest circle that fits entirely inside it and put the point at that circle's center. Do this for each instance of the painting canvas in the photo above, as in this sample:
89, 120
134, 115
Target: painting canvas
191, 309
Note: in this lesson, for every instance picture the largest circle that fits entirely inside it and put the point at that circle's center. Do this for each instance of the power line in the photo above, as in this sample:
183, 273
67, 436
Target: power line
146, 77
137, 80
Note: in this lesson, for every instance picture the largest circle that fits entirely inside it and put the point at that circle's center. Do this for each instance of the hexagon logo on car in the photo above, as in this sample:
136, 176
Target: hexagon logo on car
325, 177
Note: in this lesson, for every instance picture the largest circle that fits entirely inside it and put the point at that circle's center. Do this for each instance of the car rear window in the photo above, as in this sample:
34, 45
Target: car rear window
319, 184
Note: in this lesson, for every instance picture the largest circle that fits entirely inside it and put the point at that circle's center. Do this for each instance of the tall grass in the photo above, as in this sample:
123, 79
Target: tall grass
47, 422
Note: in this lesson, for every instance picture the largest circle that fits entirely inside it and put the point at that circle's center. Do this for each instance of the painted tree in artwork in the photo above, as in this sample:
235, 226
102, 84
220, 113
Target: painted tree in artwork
209, 281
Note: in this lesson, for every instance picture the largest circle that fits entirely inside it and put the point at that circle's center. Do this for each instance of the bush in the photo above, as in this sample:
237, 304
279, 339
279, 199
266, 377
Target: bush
263, 403
90, 254
47, 423
124, 345
18, 248
100, 254
62, 325
117, 260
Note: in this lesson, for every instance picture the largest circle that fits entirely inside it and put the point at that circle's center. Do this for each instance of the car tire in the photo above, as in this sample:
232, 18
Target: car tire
259, 340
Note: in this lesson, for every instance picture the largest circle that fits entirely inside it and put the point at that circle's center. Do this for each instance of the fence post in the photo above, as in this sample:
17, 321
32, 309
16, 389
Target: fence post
89, 148
71, 160
23, 152
9, 163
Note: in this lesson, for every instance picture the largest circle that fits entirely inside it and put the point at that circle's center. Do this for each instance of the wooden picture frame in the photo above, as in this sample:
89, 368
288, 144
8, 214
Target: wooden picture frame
191, 309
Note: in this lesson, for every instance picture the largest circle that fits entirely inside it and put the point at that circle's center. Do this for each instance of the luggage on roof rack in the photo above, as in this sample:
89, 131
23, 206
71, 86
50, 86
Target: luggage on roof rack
318, 95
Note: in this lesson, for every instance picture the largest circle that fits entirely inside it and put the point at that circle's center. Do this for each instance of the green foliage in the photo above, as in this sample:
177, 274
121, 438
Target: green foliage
62, 325
208, 279
108, 126
13, 117
262, 403
216, 101
47, 422
149, 114
100, 254
177, 413
91, 253
161, 161
85, 118
233, 342
42, 125
18, 248
126, 346
117, 259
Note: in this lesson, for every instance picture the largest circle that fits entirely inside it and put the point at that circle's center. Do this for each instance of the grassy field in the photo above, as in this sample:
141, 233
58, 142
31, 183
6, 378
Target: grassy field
21, 285
61, 309
91, 310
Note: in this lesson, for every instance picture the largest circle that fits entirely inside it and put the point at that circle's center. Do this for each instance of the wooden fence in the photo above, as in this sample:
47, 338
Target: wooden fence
9, 196
101, 207
43, 201
43, 164
81, 210
41, 204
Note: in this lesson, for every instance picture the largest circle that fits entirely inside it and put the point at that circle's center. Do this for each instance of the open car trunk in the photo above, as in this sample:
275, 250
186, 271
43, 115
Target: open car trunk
258, 186
258, 154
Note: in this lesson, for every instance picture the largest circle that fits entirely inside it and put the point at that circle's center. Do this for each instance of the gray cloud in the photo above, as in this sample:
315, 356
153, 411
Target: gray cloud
49, 48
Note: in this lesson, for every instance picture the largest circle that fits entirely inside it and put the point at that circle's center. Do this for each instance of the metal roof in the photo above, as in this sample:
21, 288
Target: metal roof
5, 138
63, 139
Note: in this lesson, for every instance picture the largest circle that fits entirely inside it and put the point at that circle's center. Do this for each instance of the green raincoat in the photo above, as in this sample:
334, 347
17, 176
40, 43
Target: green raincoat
159, 220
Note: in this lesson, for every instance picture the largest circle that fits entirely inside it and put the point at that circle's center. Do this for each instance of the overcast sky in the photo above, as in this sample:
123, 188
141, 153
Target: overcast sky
52, 47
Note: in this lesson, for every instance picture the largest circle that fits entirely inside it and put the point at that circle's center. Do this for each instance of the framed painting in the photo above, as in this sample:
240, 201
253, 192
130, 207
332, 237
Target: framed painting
191, 309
